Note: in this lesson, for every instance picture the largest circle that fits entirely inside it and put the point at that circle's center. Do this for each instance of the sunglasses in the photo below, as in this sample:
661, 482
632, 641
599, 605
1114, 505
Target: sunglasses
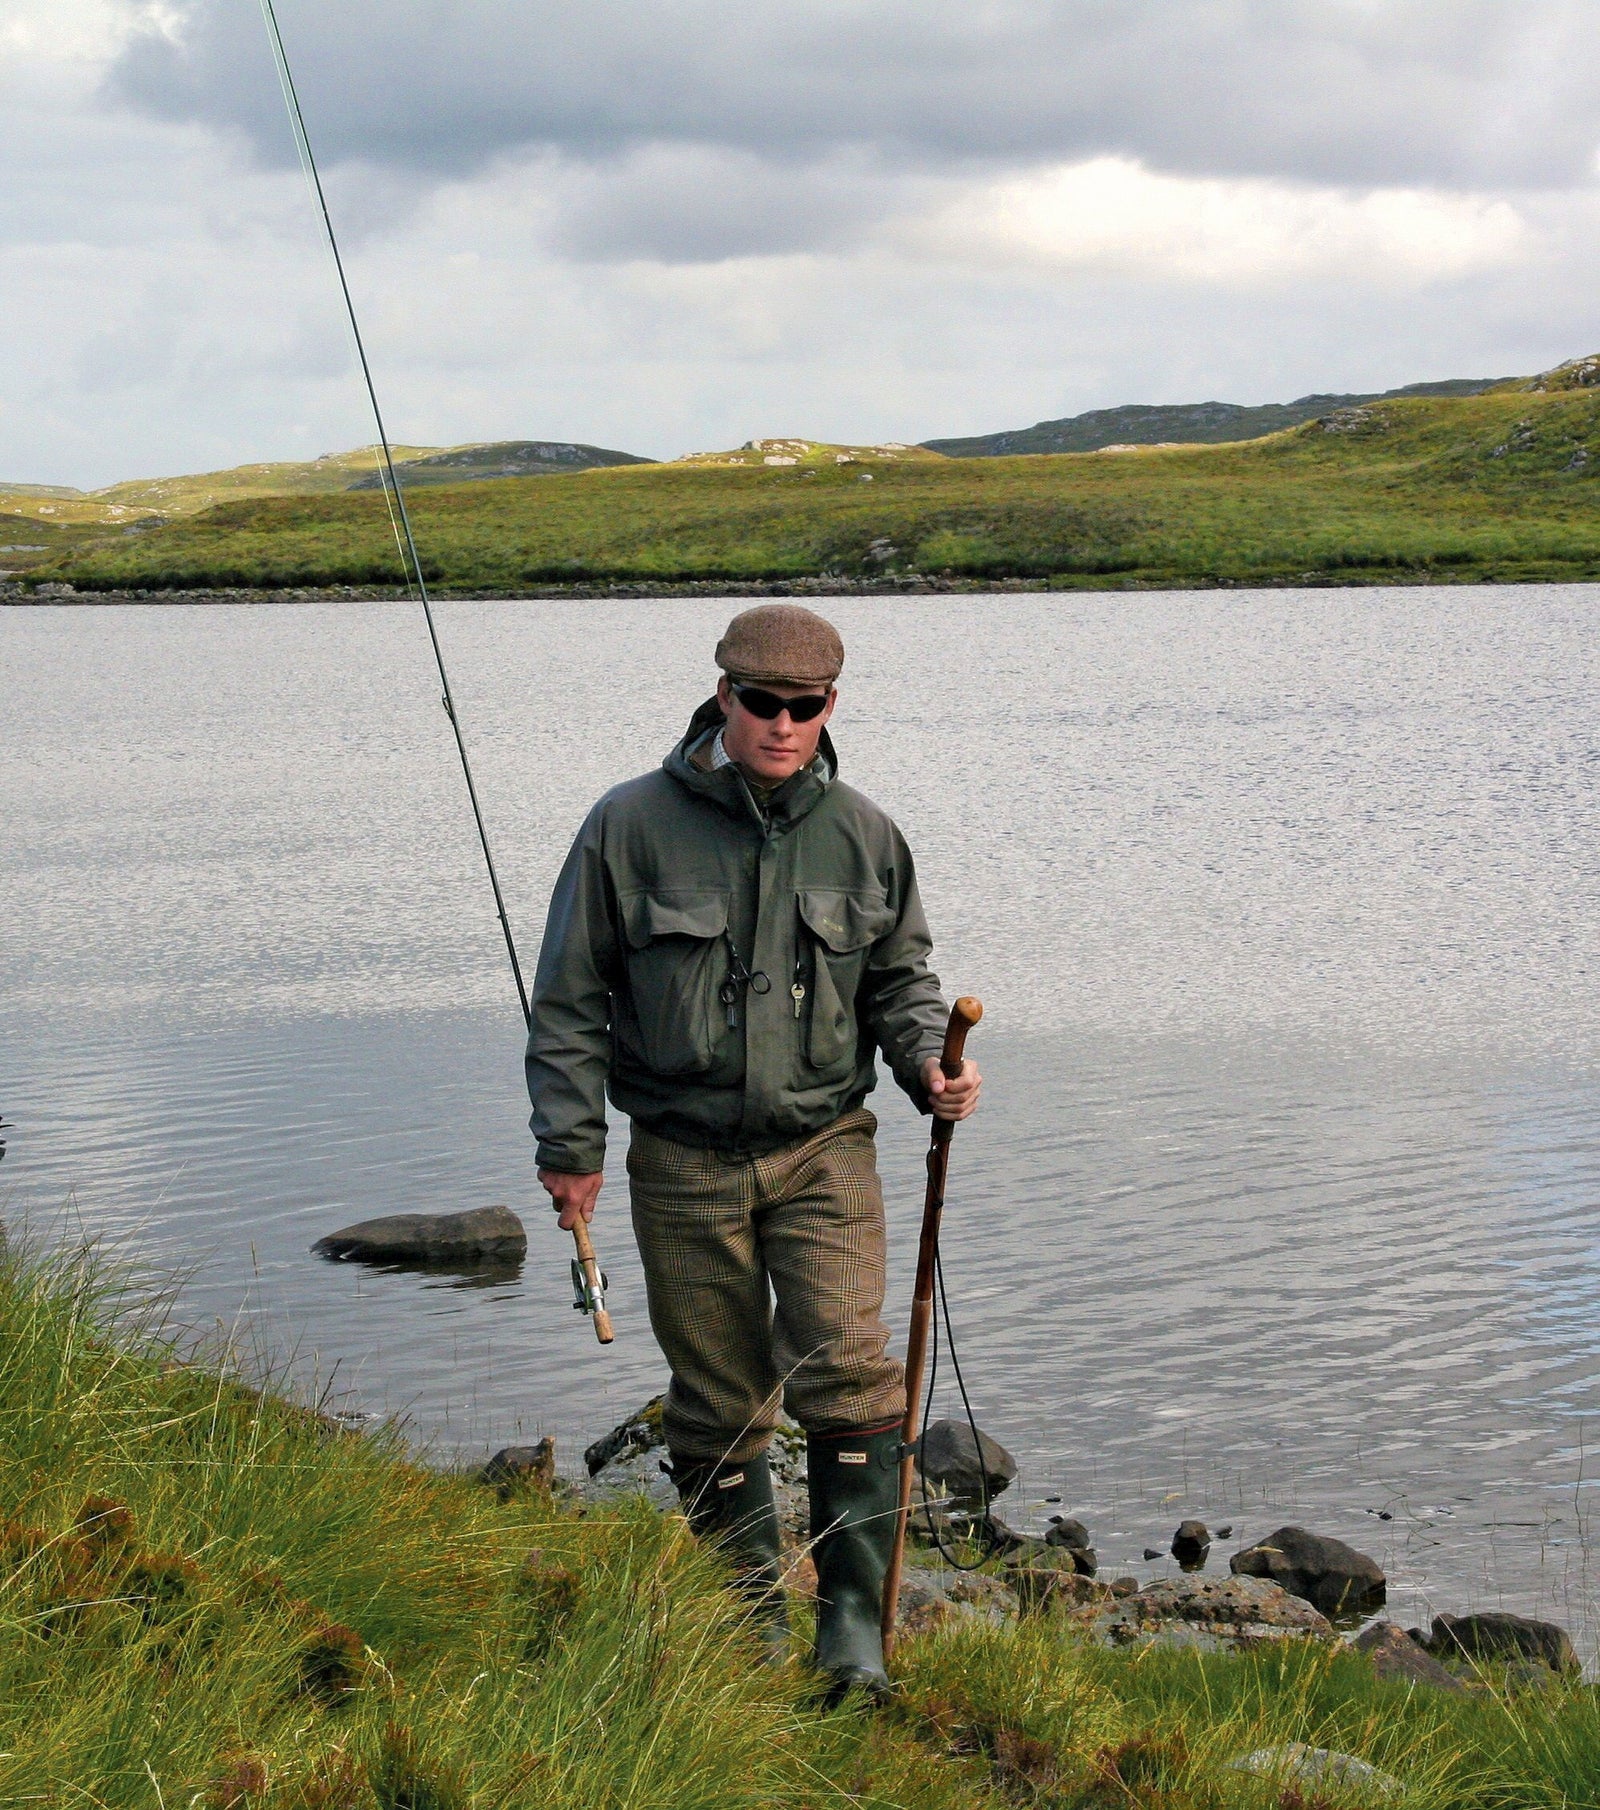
768, 705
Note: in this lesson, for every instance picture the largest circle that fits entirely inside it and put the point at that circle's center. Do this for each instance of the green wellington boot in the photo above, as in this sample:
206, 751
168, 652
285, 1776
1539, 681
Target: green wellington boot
730, 1507
855, 1496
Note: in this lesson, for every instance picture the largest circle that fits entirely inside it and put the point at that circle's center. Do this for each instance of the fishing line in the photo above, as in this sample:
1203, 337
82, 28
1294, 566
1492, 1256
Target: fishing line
988, 1537
389, 479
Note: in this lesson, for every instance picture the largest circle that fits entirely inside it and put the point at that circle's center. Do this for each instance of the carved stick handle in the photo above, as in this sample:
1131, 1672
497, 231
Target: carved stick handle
964, 1014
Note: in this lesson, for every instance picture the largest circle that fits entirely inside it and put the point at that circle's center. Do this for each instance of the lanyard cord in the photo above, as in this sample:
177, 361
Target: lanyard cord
398, 514
988, 1538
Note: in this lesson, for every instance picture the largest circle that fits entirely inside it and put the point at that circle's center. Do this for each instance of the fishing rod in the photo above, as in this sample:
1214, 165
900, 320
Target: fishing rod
589, 1283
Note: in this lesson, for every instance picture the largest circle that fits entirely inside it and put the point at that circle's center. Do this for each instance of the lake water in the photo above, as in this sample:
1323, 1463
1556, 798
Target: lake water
1284, 1201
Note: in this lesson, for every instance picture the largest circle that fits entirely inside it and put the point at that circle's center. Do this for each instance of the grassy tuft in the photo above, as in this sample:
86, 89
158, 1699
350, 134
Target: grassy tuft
212, 1597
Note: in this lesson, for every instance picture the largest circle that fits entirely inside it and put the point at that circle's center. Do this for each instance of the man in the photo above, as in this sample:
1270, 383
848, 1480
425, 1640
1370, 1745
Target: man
730, 941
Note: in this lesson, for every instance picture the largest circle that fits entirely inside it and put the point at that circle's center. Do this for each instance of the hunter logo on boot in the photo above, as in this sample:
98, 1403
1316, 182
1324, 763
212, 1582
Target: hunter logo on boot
732, 1482
852, 1458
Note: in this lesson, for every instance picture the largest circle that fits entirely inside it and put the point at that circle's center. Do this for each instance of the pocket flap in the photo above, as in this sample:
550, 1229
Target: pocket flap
845, 920
648, 915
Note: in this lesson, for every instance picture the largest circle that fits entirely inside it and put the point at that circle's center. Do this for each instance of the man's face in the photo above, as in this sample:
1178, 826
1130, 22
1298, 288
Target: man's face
770, 750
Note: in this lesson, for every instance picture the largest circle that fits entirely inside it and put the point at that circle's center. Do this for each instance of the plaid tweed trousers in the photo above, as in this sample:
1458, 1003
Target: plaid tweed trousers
765, 1278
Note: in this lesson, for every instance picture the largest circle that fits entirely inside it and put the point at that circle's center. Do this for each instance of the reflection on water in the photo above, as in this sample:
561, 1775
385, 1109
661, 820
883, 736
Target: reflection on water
444, 1272
1282, 1205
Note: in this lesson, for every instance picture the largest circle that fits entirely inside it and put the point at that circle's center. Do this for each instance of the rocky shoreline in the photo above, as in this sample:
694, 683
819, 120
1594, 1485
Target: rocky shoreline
909, 585
903, 585
964, 1563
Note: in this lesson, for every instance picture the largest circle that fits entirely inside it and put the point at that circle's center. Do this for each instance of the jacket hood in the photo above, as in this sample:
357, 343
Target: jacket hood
800, 793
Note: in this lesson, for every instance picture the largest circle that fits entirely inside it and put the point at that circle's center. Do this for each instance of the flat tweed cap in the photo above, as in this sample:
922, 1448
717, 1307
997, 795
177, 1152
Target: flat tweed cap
783, 644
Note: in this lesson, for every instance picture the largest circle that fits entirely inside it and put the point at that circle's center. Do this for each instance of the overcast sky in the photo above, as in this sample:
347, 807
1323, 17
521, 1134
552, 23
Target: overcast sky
671, 225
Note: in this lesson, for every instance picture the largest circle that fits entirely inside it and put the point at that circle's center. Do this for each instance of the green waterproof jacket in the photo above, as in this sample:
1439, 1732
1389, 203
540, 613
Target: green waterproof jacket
726, 969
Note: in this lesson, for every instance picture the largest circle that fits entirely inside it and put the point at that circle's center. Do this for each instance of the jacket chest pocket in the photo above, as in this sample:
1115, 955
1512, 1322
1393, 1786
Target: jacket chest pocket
840, 929
676, 962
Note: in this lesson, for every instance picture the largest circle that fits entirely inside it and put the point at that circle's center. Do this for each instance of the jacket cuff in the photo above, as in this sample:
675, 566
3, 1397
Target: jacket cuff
567, 1161
910, 1078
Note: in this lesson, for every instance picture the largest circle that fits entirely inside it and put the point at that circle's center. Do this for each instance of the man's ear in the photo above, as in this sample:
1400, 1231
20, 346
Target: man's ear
725, 694
833, 698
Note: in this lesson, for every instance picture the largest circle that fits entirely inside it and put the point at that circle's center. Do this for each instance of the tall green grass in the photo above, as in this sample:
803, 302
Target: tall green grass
211, 1597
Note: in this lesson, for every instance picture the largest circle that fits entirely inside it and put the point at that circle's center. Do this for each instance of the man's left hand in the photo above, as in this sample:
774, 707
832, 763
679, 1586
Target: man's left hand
956, 1099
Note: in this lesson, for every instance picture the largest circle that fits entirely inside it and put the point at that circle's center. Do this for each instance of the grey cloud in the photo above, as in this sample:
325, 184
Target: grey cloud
1454, 92
700, 203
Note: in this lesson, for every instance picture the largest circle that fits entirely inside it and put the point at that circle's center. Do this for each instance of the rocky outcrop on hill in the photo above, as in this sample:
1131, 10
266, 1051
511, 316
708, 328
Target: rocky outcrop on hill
1575, 374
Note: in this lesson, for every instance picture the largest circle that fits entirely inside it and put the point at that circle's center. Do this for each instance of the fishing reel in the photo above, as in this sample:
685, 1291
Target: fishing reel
588, 1295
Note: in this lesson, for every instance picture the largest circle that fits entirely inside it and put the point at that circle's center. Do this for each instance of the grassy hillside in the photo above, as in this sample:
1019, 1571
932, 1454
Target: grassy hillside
1500, 486
217, 1601
41, 522
499, 459
1186, 423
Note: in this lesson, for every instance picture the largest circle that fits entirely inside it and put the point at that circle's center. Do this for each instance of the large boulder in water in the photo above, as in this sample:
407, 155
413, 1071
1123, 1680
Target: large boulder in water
949, 1459
429, 1237
1334, 1577
1498, 1635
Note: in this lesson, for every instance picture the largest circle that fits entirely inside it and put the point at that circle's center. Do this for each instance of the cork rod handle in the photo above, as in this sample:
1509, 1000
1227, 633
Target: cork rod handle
591, 1269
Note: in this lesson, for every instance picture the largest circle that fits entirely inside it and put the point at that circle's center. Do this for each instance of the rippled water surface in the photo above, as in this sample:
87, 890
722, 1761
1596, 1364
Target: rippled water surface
1284, 1203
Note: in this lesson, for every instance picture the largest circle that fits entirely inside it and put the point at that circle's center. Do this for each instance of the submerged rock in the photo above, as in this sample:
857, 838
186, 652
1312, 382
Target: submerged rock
1498, 1635
950, 1460
1335, 1577
1395, 1654
1072, 1536
1191, 1545
428, 1237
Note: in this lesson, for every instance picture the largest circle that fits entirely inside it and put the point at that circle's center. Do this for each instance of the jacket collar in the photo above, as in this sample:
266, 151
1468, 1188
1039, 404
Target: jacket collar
727, 789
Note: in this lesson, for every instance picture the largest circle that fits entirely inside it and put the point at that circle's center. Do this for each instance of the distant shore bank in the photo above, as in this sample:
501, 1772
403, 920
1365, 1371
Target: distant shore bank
910, 585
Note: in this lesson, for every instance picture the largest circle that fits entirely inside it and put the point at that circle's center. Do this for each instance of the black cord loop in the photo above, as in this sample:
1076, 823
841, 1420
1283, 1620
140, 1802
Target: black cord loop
988, 1538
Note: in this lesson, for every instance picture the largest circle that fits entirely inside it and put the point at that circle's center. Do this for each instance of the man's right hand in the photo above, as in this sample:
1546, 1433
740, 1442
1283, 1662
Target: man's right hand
574, 1195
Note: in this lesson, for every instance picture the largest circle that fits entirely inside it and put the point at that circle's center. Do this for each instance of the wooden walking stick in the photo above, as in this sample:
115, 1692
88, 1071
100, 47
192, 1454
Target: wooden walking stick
964, 1014
589, 1285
